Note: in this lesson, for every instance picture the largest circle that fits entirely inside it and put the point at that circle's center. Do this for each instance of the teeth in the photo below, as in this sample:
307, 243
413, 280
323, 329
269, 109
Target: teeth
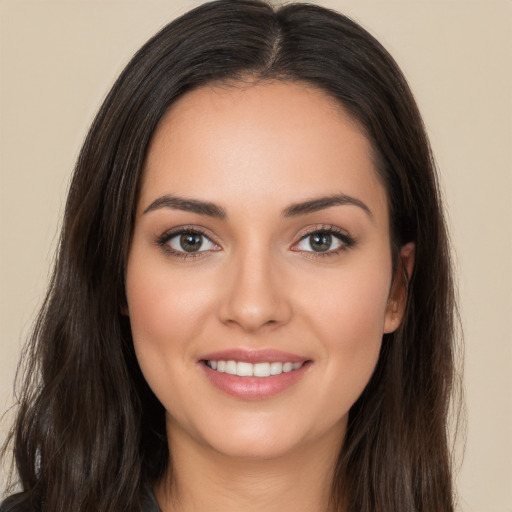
287, 367
276, 368
231, 367
262, 370
243, 369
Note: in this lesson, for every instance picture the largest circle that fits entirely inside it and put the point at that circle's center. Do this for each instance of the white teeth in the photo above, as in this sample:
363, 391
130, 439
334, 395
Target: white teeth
277, 368
231, 367
262, 370
244, 369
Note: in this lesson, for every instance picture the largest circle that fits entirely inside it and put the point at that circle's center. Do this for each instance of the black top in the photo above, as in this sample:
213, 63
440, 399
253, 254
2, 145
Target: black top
12, 504
151, 505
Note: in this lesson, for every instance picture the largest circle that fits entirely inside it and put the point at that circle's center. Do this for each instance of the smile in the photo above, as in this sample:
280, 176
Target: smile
254, 374
245, 369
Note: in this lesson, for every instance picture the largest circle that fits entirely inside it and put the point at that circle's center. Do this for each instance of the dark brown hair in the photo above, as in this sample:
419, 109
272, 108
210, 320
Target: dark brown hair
89, 433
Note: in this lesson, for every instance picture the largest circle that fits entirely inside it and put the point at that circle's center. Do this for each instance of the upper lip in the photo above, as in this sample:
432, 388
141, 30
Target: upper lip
254, 356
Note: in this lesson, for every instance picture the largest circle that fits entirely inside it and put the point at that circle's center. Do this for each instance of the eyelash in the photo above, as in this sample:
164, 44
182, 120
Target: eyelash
346, 240
163, 242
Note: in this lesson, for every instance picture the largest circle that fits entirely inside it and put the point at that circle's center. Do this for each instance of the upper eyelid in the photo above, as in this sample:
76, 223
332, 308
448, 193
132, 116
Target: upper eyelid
346, 239
204, 239
329, 228
303, 233
163, 240
172, 232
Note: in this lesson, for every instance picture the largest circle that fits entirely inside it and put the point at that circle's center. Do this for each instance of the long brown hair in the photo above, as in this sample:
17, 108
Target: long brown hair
90, 434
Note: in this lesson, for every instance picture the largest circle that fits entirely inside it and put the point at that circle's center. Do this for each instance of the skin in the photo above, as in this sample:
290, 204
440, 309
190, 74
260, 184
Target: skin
255, 150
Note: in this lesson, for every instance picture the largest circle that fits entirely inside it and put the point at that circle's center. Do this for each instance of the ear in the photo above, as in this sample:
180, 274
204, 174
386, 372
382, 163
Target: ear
123, 308
397, 300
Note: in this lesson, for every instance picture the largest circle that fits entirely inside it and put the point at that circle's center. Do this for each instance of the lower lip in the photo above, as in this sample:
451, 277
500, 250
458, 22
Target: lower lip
254, 388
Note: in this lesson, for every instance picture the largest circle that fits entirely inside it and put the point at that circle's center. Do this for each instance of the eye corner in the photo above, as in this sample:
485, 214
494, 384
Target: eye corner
172, 241
327, 235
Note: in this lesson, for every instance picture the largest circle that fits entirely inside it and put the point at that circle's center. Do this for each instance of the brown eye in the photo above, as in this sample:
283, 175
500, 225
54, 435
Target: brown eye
190, 242
320, 242
324, 241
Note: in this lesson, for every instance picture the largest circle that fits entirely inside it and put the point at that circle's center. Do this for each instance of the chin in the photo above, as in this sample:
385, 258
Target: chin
242, 447
267, 436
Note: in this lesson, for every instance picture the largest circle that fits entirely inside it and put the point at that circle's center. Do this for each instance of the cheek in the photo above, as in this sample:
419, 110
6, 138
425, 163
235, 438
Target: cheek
166, 307
350, 301
347, 313
166, 312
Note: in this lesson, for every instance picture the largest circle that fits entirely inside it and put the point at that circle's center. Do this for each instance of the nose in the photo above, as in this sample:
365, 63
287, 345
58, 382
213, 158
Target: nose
255, 293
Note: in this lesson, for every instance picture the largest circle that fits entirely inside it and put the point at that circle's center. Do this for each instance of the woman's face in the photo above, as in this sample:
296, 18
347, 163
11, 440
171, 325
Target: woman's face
259, 275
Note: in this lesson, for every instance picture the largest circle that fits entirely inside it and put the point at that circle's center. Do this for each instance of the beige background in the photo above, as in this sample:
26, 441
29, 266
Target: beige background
58, 59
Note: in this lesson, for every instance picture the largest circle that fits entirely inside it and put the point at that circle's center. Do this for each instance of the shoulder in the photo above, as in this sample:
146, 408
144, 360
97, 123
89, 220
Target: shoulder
15, 503
150, 504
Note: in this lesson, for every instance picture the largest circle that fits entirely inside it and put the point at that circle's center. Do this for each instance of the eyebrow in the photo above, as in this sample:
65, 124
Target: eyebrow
187, 205
322, 203
212, 210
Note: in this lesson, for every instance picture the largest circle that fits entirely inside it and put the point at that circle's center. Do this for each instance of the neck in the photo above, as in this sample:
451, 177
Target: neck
203, 479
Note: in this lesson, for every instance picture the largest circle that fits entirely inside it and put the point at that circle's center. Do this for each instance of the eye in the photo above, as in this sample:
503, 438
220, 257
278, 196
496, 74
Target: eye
187, 242
323, 241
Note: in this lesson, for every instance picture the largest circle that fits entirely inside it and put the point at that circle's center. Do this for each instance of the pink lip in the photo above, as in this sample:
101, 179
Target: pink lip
254, 388
254, 356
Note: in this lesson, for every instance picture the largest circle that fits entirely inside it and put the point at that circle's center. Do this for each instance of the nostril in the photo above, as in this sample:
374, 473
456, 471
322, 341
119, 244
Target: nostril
254, 296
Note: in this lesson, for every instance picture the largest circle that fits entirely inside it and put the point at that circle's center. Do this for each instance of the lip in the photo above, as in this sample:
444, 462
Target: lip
254, 356
254, 388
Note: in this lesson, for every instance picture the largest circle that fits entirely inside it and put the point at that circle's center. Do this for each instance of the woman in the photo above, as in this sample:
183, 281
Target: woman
252, 305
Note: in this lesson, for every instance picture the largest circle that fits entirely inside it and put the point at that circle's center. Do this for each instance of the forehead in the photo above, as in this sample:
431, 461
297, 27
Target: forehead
251, 140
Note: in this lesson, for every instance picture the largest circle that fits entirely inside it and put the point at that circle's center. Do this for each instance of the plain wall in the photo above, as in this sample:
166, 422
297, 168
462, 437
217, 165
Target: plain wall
59, 58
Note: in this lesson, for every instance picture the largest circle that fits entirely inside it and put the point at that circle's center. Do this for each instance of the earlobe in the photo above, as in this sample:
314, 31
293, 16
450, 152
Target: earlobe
397, 300
407, 253
124, 309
